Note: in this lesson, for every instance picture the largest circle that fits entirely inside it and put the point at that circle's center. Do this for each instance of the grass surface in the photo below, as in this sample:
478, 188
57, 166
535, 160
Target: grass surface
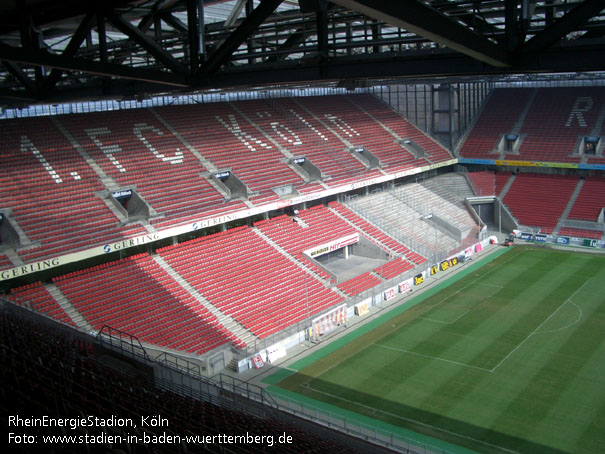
510, 358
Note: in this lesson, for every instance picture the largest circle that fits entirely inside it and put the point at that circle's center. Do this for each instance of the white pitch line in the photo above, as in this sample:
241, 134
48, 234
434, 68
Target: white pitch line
499, 287
535, 331
411, 420
432, 357
581, 313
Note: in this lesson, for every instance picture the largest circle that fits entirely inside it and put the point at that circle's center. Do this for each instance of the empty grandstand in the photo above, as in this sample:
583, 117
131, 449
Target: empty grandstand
195, 192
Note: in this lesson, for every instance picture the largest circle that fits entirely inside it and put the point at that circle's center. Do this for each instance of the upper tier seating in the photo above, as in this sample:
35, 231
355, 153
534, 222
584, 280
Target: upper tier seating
248, 279
555, 122
538, 200
302, 134
224, 137
499, 115
139, 151
51, 191
5, 262
346, 116
590, 201
37, 297
387, 117
135, 295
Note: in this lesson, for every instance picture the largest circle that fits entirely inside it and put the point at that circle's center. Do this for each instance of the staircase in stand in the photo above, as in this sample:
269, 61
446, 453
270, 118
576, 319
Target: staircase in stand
226, 320
69, 309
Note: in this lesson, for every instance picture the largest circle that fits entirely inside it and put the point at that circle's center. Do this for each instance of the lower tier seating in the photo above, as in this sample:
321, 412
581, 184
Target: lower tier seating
137, 296
248, 279
538, 200
581, 233
359, 284
36, 297
484, 183
394, 268
590, 201
47, 374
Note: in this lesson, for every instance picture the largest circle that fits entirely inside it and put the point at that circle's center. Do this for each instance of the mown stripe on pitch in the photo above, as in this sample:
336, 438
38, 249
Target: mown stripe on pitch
484, 329
542, 390
360, 331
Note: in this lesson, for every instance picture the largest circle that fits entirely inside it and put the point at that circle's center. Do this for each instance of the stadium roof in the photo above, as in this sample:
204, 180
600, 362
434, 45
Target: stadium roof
58, 51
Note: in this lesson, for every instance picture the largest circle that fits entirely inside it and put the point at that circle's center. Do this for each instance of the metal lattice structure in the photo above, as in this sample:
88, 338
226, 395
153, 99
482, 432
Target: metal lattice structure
60, 51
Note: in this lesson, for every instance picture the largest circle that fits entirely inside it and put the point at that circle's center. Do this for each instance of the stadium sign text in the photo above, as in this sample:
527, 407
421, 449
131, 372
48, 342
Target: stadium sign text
209, 222
332, 245
30, 268
131, 242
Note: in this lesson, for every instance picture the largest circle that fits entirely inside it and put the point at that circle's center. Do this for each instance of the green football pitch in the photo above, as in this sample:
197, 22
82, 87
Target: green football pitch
505, 357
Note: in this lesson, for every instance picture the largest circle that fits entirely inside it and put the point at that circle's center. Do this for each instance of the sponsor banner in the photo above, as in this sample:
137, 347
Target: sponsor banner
468, 252
299, 160
434, 269
390, 293
405, 286
448, 263
209, 222
563, 240
559, 165
339, 243
590, 243
418, 279
330, 321
477, 161
591, 166
526, 236
258, 362
362, 308
540, 238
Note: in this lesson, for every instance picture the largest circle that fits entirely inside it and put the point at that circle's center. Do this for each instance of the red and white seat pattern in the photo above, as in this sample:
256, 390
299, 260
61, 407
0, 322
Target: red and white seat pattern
137, 296
38, 298
248, 279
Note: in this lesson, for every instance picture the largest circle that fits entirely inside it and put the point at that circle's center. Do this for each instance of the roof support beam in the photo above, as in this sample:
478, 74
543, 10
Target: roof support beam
174, 22
511, 23
146, 43
418, 17
566, 24
220, 56
70, 50
195, 33
18, 73
41, 58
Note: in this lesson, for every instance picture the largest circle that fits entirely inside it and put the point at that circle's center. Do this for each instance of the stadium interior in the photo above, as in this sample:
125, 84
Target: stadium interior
192, 189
